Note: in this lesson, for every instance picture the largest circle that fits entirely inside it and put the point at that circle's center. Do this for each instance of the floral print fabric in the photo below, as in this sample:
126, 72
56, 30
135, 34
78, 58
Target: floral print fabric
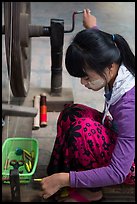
82, 142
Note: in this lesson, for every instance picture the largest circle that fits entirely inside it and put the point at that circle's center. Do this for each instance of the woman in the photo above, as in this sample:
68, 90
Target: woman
94, 149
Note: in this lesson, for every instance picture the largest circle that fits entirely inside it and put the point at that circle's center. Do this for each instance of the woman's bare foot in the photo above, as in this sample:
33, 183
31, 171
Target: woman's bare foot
78, 195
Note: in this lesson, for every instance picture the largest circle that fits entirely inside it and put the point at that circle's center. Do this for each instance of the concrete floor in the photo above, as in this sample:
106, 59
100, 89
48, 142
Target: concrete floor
113, 17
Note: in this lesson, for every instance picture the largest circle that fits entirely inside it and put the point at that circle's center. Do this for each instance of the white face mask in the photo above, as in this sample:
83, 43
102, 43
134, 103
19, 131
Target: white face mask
96, 84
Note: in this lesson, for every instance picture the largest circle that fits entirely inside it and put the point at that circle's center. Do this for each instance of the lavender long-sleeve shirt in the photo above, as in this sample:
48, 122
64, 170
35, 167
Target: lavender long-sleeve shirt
123, 113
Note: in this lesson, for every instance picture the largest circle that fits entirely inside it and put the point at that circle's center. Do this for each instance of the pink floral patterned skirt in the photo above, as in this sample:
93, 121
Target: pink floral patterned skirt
82, 142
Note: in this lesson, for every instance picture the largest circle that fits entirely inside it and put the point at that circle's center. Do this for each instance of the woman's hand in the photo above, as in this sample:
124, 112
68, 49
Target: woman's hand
89, 20
51, 184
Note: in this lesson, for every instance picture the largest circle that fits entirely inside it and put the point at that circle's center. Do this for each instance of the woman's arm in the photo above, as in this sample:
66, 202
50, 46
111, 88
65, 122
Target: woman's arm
123, 154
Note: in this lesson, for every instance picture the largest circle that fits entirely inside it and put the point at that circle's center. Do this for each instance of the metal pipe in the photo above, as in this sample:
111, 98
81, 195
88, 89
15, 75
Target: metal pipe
73, 21
57, 41
38, 31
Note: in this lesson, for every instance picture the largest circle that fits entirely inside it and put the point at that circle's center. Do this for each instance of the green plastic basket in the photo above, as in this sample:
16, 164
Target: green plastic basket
9, 152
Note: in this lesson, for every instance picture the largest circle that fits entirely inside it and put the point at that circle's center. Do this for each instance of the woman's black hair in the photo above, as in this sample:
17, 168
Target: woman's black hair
95, 49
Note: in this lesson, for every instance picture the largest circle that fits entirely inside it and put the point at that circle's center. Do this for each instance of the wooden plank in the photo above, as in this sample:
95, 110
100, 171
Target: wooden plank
119, 193
31, 193
18, 126
14, 110
54, 103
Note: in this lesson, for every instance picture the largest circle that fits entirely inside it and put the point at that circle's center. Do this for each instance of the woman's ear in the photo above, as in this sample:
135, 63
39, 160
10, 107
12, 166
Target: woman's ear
111, 70
111, 73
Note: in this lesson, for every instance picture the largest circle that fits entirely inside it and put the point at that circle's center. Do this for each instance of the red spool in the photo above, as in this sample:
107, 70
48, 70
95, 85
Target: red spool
43, 110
